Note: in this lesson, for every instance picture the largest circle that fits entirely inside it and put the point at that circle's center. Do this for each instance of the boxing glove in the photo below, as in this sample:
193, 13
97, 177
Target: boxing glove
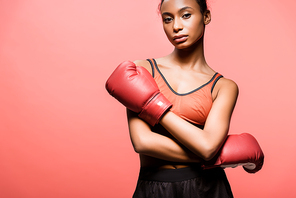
239, 150
136, 89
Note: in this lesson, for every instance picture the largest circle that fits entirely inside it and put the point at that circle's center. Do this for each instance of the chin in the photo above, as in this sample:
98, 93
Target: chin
182, 45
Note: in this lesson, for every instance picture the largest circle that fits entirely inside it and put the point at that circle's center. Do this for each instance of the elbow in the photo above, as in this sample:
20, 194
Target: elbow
139, 149
140, 146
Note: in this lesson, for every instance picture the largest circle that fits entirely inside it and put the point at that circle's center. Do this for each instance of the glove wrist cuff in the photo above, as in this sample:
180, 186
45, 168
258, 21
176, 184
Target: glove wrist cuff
155, 108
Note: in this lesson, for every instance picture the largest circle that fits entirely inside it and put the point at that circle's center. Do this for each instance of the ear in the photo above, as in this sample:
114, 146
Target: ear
207, 17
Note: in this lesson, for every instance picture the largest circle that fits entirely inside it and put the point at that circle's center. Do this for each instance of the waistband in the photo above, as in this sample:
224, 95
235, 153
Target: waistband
170, 175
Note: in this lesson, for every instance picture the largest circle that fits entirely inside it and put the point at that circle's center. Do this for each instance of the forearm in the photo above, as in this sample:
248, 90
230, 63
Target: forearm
156, 145
162, 147
194, 138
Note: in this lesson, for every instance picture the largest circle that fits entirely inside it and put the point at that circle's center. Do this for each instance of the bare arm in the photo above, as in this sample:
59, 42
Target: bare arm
156, 145
206, 143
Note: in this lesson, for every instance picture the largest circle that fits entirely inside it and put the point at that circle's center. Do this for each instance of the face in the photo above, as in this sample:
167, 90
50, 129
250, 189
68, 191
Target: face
183, 22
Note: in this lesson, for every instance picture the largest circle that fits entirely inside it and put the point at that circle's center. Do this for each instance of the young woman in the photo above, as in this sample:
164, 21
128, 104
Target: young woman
179, 110
197, 124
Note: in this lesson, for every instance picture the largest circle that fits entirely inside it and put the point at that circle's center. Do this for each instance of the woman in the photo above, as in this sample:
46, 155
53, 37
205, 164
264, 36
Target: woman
179, 109
171, 151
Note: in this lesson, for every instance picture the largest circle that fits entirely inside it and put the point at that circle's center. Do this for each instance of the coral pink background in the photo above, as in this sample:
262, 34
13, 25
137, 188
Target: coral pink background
62, 135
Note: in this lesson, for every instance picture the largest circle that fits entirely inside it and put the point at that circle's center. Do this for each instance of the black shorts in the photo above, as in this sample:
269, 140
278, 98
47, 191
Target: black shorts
190, 182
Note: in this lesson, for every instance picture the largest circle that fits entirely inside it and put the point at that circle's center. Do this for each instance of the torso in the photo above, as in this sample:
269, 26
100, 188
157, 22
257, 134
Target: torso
181, 88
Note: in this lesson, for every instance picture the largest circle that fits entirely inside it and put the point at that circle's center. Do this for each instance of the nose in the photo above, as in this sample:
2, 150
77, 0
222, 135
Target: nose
177, 26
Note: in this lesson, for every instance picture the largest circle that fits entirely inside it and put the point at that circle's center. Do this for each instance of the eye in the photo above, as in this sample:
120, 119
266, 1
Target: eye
167, 19
186, 16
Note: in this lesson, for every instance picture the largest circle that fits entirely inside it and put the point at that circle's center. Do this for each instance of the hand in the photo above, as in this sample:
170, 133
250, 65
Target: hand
136, 89
239, 150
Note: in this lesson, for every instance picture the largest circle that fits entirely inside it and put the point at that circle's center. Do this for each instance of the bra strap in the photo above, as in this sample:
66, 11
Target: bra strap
152, 63
214, 83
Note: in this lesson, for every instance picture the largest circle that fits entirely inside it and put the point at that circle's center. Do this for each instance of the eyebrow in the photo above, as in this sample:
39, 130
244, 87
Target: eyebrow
182, 9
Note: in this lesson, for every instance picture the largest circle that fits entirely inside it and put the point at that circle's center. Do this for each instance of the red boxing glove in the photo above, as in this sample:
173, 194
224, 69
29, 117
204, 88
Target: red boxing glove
242, 149
136, 89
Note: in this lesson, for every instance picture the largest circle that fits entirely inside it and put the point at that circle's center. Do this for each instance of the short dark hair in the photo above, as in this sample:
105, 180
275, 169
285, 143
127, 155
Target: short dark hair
202, 4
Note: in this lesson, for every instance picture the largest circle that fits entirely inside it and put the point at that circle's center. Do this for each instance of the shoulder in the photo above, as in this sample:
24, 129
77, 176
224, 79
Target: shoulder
144, 63
227, 87
228, 84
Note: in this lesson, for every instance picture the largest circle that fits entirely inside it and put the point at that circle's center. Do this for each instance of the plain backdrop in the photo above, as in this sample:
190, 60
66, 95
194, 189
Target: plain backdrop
62, 135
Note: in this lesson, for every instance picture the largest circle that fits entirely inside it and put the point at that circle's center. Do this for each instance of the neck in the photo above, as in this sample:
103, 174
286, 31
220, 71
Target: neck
192, 57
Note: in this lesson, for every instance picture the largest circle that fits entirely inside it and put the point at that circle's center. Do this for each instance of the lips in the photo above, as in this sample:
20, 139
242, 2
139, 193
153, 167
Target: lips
180, 38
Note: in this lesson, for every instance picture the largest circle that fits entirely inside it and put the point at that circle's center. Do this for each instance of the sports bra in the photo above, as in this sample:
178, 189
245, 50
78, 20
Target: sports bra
193, 106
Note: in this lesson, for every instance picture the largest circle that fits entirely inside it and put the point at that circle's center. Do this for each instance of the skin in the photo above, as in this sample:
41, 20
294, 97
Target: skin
184, 69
